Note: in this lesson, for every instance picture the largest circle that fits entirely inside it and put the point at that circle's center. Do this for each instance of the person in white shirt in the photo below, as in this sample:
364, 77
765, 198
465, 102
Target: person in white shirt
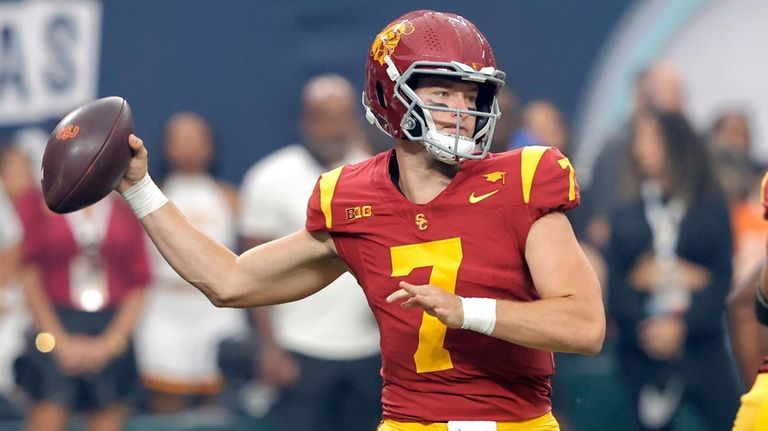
180, 331
323, 351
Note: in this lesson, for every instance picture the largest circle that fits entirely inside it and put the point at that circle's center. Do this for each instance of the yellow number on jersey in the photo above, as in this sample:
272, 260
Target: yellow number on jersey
566, 164
530, 158
444, 257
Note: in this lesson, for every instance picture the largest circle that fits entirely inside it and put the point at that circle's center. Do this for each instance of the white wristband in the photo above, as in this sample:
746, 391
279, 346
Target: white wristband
144, 197
479, 314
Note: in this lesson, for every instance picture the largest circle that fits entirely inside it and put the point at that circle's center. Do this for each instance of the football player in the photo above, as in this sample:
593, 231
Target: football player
747, 309
466, 258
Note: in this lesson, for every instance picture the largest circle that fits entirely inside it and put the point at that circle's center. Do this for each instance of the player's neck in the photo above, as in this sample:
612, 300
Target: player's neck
420, 177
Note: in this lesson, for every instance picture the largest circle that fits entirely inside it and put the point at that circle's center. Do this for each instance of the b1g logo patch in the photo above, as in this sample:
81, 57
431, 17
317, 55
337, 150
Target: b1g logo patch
358, 212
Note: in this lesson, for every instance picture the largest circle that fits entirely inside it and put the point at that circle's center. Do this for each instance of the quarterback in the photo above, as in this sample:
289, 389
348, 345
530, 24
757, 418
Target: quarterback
466, 258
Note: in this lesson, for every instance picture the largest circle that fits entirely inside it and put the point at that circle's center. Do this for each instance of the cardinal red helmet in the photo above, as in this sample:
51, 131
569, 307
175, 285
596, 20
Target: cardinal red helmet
438, 44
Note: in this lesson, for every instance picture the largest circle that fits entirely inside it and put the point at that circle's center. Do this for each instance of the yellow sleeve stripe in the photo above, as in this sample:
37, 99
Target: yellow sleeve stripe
762, 188
530, 161
327, 187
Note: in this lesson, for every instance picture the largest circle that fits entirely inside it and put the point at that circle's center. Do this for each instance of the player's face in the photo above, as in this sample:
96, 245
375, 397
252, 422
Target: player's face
452, 94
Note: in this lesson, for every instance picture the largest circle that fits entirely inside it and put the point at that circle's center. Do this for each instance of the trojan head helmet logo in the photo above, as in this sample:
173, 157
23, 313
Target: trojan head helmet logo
385, 42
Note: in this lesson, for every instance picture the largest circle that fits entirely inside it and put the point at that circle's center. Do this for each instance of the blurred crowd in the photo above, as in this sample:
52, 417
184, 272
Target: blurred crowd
93, 320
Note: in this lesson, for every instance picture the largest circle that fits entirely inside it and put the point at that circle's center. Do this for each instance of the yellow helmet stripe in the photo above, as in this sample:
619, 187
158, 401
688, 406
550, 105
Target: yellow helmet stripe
530, 161
327, 187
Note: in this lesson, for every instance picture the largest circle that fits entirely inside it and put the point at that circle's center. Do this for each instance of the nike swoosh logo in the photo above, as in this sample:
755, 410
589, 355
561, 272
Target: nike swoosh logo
475, 199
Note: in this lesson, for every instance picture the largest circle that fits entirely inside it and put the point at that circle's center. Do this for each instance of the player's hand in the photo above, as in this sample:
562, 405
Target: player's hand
435, 302
138, 166
277, 367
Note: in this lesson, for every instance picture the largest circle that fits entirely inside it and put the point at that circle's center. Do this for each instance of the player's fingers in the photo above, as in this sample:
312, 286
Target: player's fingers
398, 295
412, 302
137, 145
135, 142
414, 289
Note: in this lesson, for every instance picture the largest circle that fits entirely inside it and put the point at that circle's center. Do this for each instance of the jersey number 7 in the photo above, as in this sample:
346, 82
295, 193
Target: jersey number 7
444, 257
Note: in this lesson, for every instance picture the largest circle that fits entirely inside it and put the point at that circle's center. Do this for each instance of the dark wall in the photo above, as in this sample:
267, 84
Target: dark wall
242, 63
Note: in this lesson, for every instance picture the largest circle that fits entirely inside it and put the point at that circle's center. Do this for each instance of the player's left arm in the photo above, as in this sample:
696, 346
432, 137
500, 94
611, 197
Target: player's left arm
569, 316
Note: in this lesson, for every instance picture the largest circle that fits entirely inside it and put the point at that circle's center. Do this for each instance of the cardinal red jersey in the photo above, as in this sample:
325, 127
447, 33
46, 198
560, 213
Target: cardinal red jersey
470, 241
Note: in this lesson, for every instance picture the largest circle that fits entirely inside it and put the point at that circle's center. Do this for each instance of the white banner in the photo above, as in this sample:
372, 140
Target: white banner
49, 58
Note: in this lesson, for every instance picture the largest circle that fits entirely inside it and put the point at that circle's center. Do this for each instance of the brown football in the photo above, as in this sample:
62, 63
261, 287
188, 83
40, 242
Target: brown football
87, 154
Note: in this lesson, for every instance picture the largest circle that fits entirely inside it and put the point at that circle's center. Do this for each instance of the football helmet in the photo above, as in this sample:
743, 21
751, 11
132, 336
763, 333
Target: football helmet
428, 43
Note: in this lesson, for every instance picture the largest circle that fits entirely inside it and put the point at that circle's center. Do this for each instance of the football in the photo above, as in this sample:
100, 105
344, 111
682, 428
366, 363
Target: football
87, 154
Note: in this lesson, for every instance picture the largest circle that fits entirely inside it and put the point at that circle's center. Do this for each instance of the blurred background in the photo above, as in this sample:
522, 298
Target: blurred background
578, 72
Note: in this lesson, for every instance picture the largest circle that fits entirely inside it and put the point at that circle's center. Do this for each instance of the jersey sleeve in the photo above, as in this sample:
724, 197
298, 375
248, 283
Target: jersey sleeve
319, 210
315, 218
549, 181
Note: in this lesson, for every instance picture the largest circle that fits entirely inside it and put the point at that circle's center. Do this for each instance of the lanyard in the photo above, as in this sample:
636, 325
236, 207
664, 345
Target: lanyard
669, 294
87, 277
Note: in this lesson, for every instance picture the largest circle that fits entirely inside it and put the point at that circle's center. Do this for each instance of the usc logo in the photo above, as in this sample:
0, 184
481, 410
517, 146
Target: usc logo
421, 221
386, 41
68, 132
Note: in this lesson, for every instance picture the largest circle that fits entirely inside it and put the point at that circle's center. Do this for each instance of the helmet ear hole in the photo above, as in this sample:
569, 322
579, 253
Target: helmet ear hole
484, 103
380, 95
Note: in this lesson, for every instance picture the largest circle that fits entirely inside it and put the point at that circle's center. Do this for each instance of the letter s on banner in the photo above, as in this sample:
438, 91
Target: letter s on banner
49, 58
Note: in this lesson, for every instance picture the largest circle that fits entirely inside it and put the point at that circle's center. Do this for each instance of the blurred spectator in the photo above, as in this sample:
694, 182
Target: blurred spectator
180, 330
17, 172
545, 125
31, 141
670, 269
509, 123
658, 88
83, 275
10, 228
11, 304
730, 144
322, 350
